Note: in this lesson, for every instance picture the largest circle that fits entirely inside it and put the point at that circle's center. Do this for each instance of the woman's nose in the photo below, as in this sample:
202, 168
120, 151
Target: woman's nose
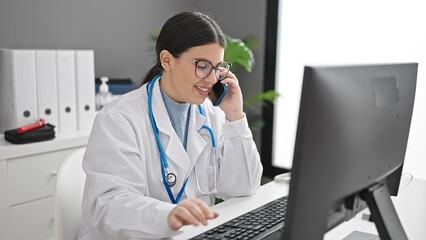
211, 78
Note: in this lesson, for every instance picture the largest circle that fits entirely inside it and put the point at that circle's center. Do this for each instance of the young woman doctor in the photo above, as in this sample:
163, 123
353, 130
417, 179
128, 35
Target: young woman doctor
158, 156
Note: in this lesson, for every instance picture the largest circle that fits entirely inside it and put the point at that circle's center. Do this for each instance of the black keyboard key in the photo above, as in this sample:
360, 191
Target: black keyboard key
199, 237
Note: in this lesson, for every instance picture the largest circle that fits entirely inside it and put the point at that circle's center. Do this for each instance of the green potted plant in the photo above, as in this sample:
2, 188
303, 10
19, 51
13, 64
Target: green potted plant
238, 52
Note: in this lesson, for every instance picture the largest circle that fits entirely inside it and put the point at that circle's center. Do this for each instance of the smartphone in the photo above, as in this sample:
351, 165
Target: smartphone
217, 93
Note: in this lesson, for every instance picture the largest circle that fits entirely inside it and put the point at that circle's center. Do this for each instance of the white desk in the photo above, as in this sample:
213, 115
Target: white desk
410, 205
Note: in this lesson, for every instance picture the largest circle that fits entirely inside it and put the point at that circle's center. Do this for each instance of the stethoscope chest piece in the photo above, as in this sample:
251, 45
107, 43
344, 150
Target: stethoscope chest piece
171, 179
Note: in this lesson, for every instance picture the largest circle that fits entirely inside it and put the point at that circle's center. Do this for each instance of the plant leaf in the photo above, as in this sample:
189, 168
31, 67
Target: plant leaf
268, 96
154, 35
255, 122
250, 41
238, 53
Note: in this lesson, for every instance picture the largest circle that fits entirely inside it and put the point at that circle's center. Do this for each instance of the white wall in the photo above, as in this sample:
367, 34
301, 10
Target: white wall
348, 32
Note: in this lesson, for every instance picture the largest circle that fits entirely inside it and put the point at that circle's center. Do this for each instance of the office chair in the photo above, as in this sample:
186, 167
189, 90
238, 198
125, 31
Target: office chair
68, 196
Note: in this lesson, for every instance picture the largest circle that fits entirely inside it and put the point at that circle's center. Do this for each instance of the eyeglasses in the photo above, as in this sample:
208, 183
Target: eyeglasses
203, 68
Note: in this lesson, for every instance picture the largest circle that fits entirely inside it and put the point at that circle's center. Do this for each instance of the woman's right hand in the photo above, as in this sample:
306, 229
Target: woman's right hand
190, 211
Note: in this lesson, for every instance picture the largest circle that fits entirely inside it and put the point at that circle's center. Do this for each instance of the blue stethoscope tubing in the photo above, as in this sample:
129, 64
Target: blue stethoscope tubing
163, 159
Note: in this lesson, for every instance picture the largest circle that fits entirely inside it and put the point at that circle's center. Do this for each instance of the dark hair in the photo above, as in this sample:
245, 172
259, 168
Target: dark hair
181, 32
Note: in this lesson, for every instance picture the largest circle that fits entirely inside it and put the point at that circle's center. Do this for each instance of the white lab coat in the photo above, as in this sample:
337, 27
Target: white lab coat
124, 196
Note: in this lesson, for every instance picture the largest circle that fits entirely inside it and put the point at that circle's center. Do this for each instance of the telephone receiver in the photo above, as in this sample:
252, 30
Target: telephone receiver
217, 93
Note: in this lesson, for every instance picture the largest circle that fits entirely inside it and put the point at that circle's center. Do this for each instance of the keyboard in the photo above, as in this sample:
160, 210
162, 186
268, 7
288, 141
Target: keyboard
256, 224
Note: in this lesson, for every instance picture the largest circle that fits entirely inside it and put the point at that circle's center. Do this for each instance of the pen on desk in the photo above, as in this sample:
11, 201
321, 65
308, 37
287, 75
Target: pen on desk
32, 126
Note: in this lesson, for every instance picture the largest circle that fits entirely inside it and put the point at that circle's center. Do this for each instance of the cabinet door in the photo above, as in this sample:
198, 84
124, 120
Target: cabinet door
33, 177
33, 220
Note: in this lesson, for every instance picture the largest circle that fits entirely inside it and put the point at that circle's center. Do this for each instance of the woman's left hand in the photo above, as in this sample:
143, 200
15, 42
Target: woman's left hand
232, 102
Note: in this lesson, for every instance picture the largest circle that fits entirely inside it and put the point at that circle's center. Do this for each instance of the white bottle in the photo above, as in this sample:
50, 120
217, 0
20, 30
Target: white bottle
104, 96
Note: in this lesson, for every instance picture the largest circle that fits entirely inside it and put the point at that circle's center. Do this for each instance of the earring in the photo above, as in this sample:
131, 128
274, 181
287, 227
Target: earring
163, 65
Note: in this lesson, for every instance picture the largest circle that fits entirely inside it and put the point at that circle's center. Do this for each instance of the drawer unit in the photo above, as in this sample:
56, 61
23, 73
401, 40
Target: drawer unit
33, 177
32, 220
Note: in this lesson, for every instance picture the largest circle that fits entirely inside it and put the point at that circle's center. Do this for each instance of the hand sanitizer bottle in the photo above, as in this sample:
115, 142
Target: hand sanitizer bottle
104, 96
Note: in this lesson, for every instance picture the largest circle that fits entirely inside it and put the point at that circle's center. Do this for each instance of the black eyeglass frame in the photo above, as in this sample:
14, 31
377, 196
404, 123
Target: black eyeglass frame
216, 68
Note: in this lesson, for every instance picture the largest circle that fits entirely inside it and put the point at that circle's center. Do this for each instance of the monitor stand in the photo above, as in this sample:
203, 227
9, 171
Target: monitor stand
357, 235
383, 212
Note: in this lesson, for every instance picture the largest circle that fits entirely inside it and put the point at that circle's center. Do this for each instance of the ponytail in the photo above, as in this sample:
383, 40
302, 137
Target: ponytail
154, 71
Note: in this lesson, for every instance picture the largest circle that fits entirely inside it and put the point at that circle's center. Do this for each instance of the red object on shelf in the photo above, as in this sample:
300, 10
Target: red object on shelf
32, 126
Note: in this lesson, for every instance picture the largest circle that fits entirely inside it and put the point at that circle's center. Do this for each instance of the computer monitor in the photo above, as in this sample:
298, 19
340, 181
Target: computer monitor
352, 134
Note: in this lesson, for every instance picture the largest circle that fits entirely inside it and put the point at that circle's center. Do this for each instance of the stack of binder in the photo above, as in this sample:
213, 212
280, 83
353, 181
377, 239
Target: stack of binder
56, 85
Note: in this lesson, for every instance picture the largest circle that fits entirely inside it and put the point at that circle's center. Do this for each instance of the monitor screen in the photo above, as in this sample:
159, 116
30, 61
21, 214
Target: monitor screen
350, 146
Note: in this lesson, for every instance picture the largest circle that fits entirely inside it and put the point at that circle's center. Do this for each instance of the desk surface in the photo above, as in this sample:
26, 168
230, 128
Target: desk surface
410, 205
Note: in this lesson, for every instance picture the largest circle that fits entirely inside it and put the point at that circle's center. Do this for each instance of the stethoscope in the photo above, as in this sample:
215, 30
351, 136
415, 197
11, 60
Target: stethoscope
169, 179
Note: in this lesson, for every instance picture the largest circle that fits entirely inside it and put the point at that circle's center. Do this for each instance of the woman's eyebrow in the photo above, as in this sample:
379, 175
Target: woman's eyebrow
204, 59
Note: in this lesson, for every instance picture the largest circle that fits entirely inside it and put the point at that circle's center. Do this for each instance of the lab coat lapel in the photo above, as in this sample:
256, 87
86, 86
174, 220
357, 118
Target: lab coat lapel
195, 147
173, 148
196, 143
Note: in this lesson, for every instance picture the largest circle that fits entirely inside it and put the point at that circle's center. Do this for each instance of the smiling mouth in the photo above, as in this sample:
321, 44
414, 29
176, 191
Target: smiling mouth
202, 89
